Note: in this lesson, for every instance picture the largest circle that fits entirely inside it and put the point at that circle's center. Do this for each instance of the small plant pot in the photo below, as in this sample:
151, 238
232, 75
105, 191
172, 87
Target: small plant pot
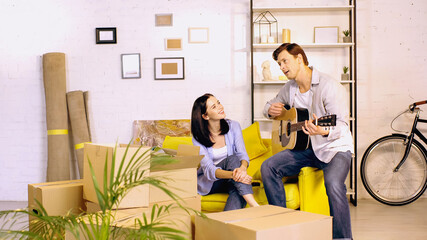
345, 76
346, 39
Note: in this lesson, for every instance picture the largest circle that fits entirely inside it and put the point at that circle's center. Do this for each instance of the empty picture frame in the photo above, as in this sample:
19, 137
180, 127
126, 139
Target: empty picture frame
163, 20
198, 35
173, 44
169, 68
326, 34
131, 67
106, 35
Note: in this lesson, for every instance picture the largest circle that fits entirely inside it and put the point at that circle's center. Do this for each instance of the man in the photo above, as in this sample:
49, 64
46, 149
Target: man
330, 150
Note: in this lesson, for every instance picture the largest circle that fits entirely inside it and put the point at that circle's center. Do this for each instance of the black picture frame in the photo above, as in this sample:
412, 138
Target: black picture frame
106, 35
170, 68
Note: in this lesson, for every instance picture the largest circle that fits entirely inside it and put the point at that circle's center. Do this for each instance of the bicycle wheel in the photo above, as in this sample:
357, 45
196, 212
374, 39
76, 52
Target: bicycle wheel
385, 185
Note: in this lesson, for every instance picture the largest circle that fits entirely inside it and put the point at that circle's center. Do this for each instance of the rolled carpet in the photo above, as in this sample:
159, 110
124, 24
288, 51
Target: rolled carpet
79, 126
86, 97
54, 78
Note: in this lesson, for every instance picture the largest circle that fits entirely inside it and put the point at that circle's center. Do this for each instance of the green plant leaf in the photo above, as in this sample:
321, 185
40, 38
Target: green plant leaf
100, 225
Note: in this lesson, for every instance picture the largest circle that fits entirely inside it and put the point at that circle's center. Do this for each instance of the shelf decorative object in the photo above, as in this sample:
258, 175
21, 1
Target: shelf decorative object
286, 35
267, 27
345, 75
326, 34
347, 36
266, 73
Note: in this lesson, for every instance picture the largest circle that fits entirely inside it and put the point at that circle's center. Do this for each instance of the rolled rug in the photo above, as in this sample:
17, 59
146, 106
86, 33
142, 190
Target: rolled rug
79, 126
86, 97
58, 164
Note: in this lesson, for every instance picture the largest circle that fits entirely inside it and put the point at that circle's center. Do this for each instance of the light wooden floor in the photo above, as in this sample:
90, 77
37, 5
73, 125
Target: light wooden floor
370, 220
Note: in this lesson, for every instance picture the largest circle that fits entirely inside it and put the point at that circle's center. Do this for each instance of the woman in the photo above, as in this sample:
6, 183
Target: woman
223, 168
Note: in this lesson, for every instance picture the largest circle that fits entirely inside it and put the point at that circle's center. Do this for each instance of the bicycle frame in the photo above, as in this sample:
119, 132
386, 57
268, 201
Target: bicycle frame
410, 138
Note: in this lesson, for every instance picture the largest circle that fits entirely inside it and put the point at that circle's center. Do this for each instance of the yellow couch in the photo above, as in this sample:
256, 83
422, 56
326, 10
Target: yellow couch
305, 192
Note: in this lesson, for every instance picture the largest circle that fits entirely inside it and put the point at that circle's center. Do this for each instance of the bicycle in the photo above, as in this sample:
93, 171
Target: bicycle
394, 167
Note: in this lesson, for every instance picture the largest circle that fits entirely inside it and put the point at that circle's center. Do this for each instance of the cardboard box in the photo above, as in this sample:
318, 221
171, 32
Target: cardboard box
177, 218
180, 177
266, 222
97, 154
191, 202
58, 198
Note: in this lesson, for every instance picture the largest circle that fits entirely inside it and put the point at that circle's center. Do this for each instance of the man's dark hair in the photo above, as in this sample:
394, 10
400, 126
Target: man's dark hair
293, 49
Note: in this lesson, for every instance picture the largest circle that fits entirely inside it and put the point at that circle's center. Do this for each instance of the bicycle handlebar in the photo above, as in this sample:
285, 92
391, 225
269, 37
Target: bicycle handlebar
412, 106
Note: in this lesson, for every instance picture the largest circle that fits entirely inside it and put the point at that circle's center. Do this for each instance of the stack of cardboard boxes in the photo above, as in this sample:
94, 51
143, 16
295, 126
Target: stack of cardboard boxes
78, 196
261, 223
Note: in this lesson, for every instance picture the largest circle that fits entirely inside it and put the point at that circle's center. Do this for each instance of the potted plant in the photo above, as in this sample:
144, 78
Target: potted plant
347, 36
101, 225
345, 75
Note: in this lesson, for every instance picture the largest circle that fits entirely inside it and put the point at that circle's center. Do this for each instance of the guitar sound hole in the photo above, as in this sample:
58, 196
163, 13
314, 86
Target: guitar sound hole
288, 129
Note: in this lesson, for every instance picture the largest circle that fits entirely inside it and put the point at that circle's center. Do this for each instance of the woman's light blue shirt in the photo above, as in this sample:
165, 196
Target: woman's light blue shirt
235, 146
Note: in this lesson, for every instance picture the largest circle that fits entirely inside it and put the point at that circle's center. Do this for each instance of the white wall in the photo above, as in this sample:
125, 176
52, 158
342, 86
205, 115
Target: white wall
38, 27
391, 60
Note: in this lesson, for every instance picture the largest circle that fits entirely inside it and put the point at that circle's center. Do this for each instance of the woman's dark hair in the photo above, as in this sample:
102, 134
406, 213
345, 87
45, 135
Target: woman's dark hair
199, 126
293, 49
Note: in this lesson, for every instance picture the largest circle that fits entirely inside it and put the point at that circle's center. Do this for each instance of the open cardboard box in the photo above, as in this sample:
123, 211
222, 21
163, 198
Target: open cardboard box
265, 222
191, 202
97, 154
177, 217
180, 177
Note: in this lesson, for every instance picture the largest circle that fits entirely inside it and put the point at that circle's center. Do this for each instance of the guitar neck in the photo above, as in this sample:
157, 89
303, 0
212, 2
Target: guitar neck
298, 126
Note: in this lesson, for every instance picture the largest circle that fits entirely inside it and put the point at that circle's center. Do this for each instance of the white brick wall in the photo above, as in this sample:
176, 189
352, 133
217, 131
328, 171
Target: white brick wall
391, 60
38, 27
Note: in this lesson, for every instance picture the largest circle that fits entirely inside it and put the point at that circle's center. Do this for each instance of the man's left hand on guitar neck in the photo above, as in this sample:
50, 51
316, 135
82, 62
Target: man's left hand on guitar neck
310, 129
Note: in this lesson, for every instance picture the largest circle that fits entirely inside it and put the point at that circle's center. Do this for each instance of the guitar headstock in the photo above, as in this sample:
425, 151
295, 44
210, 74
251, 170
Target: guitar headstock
327, 121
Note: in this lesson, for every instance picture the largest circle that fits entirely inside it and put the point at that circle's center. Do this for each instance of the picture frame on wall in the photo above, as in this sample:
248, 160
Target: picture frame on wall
164, 20
326, 34
173, 44
169, 68
106, 35
131, 65
198, 35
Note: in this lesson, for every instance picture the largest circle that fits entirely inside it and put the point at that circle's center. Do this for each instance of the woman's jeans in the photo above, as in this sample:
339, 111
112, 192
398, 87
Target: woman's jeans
234, 189
290, 162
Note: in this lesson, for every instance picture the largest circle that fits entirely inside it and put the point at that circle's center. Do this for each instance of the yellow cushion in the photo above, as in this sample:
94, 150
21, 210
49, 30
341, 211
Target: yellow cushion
173, 142
216, 202
312, 191
253, 142
251, 136
254, 168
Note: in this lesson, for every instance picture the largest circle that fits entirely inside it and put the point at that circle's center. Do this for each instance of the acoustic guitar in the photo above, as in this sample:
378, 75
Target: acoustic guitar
287, 129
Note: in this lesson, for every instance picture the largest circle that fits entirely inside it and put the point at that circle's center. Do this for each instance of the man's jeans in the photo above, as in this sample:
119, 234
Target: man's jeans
234, 189
290, 162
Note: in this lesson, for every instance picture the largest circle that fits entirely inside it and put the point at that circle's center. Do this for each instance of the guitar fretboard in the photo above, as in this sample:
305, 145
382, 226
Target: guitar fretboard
298, 126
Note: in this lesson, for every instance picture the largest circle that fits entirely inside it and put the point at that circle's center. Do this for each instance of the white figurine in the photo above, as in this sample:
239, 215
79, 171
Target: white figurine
266, 73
